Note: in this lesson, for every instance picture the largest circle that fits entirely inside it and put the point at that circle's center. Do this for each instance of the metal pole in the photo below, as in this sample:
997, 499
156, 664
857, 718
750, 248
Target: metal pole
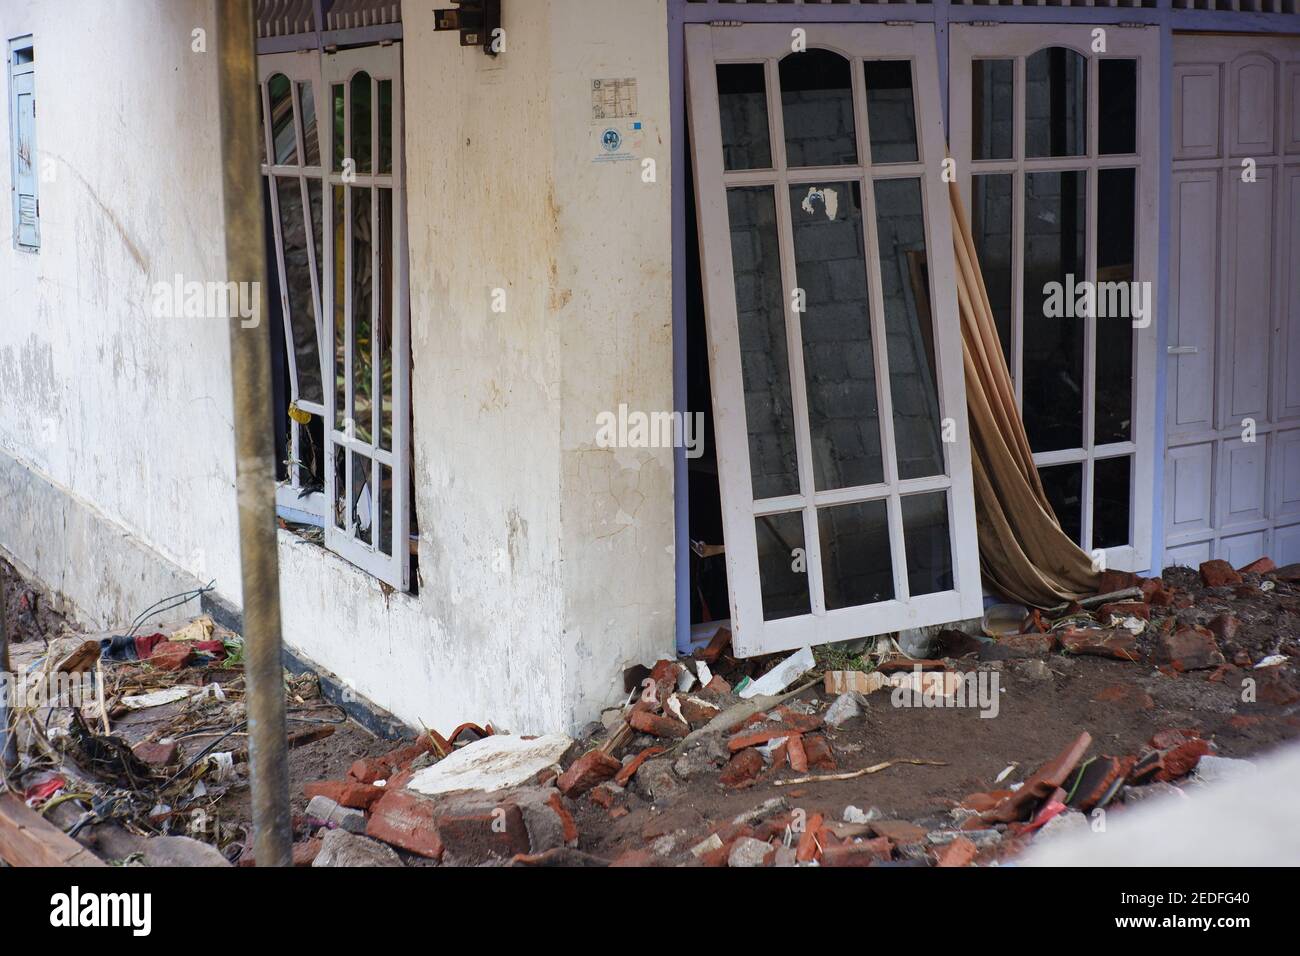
250, 359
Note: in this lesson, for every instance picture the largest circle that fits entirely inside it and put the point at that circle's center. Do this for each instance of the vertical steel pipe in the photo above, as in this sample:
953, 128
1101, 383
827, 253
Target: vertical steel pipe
250, 359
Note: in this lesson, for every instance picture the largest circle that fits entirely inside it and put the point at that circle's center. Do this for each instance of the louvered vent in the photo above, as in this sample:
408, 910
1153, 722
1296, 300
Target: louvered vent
283, 18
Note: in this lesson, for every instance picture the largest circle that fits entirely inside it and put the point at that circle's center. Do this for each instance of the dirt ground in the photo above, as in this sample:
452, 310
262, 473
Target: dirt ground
1044, 701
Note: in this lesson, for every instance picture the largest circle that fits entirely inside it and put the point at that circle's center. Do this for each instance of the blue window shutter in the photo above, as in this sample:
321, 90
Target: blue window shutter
27, 231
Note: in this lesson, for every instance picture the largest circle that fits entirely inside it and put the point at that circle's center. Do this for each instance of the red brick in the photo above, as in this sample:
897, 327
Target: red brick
1033, 643
898, 831
1225, 627
346, 793
698, 712
808, 840
1189, 648
604, 796
306, 851
1218, 573
960, 852
1259, 566
1045, 780
792, 724
742, 769
1181, 760
593, 767
718, 686
798, 758
713, 652
407, 820
567, 823
1160, 597
657, 725
1119, 644
156, 754
1112, 581
624, 776
818, 751
858, 853
477, 836
370, 769
1124, 609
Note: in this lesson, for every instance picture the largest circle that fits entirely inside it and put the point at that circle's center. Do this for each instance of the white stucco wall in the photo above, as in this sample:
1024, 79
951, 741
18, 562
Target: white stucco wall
546, 563
129, 413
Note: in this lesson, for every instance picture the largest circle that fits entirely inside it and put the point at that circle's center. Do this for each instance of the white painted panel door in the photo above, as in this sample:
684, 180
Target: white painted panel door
834, 344
1057, 151
1233, 398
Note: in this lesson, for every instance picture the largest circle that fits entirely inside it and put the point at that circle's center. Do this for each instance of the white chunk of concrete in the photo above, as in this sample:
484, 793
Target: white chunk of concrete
493, 763
782, 675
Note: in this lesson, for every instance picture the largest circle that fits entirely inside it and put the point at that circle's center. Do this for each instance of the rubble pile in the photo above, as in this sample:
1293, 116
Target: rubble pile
710, 760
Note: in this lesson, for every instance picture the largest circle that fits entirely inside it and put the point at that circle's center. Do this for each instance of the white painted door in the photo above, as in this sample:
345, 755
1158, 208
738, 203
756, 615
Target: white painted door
1232, 473
1056, 146
834, 344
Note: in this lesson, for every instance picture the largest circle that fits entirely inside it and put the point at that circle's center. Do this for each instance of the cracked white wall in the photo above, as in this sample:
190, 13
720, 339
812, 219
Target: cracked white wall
546, 562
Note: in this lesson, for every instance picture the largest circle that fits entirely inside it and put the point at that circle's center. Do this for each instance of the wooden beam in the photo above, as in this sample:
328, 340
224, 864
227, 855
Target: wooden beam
28, 839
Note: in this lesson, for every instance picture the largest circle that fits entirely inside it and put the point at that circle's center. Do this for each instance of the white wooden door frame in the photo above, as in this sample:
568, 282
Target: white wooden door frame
1212, 465
380, 63
707, 46
968, 42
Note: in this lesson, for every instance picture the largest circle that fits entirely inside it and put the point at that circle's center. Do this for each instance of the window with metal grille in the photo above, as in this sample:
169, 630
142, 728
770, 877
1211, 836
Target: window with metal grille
22, 147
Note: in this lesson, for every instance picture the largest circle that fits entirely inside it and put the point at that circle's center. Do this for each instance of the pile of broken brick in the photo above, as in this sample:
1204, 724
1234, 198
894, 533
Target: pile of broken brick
481, 798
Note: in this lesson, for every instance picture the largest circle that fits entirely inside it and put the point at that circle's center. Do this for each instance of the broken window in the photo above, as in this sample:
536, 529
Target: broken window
333, 170
22, 163
826, 246
1061, 183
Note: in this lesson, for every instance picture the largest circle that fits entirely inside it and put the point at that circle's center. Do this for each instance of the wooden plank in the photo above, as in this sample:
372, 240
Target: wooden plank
28, 839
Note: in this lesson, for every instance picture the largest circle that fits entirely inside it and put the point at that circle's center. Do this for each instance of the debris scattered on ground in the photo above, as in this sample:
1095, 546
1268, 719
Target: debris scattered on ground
855, 755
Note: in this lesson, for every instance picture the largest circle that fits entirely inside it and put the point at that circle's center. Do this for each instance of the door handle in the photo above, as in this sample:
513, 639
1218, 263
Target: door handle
1182, 349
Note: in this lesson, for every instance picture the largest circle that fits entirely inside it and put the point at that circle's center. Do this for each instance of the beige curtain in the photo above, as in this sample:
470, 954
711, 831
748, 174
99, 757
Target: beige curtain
1024, 554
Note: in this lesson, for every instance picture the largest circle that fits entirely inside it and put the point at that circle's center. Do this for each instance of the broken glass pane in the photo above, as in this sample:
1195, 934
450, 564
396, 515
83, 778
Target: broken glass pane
909, 327
928, 543
891, 118
1063, 485
298, 289
363, 504
782, 565
284, 143
742, 107
991, 229
385, 126
857, 565
993, 86
817, 103
839, 366
361, 141
1056, 103
1111, 492
362, 303
310, 135
384, 332
1116, 237
764, 361
1053, 327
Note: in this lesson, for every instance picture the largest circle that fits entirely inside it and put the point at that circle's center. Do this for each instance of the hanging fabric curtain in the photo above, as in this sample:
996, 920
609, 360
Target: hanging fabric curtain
1024, 554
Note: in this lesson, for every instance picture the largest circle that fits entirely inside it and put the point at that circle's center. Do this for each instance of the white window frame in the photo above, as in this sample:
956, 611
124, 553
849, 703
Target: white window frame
297, 68
969, 42
341, 531
707, 46
22, 82
381, 63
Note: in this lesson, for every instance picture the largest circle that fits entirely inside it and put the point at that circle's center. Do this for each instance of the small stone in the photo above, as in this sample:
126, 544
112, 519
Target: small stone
853, 814
1035, 670
340, 848
322, 808
845, 708
748, 852
1069, 821
656, 781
